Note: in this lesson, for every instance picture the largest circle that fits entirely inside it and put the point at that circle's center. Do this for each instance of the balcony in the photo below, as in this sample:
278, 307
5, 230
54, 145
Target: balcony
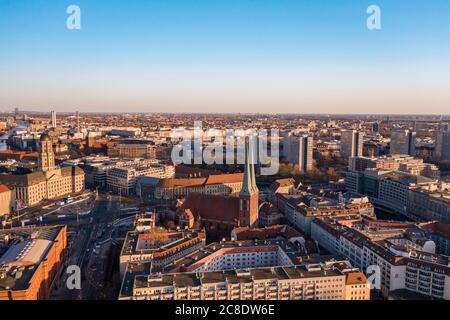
195, 295
424, 279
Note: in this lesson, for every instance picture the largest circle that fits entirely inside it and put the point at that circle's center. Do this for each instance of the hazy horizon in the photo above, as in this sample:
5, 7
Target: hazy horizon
234, 56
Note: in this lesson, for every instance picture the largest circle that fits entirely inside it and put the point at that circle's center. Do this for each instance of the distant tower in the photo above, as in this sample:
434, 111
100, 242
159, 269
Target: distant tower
46, 156
90, 139
16, 113
53, 119
301, 152
376, 127
442, 144
249, 196
78, 120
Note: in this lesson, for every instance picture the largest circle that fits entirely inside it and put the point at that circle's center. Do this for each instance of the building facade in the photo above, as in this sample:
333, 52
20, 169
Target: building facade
177, 188
322, 281
442, 144
301, 152
403, 142
220, 214
122, 180
402, 261
29, 261
6, 200
351, 144
49, 182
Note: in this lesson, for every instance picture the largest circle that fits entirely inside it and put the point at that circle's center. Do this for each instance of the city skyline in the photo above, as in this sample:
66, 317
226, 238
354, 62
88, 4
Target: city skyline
226, 57
225, 157
334, 208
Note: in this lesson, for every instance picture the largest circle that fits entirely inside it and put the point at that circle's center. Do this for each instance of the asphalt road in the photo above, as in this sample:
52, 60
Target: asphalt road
87, 253
38, 215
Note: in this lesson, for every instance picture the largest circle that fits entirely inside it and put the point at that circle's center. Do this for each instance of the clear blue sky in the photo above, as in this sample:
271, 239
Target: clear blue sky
226, 55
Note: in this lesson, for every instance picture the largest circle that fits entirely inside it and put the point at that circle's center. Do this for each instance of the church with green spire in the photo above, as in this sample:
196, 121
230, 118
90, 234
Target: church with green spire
249, 196
220, 214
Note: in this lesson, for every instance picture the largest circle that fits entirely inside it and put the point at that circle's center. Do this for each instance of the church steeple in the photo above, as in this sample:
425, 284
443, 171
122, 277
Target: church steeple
249, 196
249, 184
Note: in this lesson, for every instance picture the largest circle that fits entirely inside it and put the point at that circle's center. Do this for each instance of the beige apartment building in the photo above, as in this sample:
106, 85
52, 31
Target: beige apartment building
122, 180
6, 200
356, 286
310, 282
245, 270
131, 149
404, 163
223, 184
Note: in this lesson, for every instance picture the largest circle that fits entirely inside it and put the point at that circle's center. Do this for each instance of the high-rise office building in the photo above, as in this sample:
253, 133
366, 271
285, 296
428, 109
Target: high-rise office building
403, 142
442, 145
301, 152
351, 143
286, 142
53, 119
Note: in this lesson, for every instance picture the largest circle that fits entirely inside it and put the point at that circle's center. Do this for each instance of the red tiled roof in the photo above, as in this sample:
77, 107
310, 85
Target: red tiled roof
245, 233
387, 224
192, 182
213, 207
282, 183
437, 227
186, 182
355, 278
195, 172
17, 155
225, 178
4, 188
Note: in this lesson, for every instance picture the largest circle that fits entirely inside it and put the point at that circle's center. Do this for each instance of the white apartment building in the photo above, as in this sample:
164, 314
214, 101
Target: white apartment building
159, 247
386, 188
401, 267
301, 215
309, 282
259, 284
122, 180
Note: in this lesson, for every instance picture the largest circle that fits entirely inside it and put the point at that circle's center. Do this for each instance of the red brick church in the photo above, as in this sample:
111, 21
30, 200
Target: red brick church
219, 214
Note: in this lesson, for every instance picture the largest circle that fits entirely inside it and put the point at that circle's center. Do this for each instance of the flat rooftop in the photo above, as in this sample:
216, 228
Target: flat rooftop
291, 250
137, 278
21, 252
158, 240
236, 276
